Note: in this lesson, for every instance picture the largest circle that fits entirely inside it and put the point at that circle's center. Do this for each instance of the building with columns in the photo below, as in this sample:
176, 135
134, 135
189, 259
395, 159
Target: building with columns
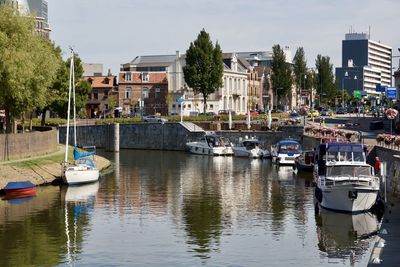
165, 72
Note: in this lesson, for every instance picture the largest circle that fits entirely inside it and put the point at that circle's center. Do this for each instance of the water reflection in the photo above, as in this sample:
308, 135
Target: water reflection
343, 235
30, 231
177, 209
79, 202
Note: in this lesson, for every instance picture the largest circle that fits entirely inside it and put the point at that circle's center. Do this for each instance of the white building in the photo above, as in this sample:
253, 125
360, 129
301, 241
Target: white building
231, 96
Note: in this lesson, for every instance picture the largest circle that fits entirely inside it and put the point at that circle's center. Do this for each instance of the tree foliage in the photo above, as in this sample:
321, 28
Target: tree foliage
325, 80
204, 66
60, 87
27, 65
281, 72
300, 67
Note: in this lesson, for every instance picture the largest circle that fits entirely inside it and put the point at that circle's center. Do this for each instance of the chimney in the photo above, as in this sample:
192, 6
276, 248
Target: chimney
109, 72
178, 54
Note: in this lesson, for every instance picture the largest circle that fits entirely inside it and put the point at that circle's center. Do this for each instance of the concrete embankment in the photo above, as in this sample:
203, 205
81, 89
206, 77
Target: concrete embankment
39, 170
168, 136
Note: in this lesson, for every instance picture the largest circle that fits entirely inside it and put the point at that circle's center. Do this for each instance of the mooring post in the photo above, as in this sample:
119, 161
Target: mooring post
113, 137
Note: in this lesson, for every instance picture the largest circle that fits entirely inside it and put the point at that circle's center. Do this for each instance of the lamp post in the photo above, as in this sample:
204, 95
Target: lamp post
141, 95
304, 87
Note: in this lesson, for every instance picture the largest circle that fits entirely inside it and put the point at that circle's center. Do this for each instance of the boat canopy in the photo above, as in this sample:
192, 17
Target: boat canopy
288, 142
18, 185
78, 155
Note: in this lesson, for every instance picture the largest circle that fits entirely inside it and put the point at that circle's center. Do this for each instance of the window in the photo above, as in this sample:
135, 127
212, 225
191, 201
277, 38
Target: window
128, 92
128, 76
145, 76
211, 106
95, 95
173, 105
158, 92
189, 106
145, 92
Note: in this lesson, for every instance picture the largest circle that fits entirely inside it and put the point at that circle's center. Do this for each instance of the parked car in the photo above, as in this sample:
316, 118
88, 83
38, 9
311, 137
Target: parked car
295, 116
226, 112
253, 112
341, 111
314, 113
154, 118
326, 112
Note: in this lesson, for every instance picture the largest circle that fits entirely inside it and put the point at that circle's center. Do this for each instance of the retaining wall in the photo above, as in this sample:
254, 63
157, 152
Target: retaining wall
157, 136
24, 145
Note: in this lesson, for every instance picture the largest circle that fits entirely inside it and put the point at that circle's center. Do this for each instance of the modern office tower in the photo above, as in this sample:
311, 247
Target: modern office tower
366, 65
35, 8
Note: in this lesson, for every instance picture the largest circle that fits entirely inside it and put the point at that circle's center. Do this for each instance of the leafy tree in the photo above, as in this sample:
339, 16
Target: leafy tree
204, 66
27, 65
325, 80
281, 72
61, 86
299, 67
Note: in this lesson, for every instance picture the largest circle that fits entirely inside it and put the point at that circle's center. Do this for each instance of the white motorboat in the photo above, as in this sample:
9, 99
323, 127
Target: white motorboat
211, 144
83, 169
250, 147
344, 181
286, 151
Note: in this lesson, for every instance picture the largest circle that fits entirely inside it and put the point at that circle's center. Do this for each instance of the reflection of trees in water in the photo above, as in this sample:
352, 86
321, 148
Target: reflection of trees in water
35, 236
340, 235
203, 222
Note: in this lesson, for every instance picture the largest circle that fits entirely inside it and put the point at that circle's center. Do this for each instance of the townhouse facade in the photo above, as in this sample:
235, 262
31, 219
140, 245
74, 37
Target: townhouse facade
143, 85
103, 98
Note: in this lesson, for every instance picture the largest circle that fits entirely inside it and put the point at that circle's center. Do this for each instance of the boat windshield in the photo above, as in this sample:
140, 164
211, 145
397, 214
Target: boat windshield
250, 144
290, 148
347, 171
346, 156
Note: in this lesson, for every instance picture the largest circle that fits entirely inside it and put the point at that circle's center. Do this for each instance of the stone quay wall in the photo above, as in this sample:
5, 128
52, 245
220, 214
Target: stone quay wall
157, 136
25, 145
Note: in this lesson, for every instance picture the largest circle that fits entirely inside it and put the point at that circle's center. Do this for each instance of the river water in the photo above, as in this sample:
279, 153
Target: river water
176, 209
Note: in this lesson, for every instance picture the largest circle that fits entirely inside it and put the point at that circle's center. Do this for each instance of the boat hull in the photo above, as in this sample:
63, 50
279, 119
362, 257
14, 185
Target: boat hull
349, 198
285, 159
74, 176
205, 150
243, 152
300, 166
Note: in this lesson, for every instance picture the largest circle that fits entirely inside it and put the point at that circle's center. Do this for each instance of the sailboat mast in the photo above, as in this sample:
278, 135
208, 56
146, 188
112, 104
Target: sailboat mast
69, 107
73, 87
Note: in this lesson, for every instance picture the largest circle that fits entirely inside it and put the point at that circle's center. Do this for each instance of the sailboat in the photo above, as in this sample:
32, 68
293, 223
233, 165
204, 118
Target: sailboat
83, 169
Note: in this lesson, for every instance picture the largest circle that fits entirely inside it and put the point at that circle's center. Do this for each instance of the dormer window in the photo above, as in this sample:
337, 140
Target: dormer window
145, 76
128, 76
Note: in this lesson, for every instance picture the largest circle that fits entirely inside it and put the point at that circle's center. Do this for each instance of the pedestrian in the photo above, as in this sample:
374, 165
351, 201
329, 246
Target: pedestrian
377, 166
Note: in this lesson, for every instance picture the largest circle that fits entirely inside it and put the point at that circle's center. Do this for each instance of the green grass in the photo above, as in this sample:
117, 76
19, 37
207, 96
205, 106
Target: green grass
54, 158
49, 122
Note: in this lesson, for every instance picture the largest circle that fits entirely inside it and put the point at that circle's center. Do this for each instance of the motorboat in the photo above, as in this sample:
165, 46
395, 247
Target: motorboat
82, 170
305, 162
250, 147
285, 151
344, 180
211, 144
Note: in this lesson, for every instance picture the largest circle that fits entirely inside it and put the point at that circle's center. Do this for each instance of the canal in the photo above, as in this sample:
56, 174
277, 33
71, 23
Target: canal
174, 209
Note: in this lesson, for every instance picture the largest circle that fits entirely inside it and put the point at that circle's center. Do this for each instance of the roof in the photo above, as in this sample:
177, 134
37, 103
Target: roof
287, 142
343, 147
154, 59
101, 81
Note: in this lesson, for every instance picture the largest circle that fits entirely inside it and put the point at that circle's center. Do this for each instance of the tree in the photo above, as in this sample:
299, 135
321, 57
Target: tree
27, 65
325, 80
60, 88
299, 67
281, 72
204, 66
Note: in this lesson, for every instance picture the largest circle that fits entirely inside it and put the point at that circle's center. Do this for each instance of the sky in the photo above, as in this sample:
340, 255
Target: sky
115, 32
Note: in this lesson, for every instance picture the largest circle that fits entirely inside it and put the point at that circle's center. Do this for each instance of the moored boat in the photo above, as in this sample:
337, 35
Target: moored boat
344, 181
305, 162
16, 188
211, 144
250, 147
285, 151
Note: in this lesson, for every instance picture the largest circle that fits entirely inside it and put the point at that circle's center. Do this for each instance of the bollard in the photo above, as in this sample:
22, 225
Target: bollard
112, 137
